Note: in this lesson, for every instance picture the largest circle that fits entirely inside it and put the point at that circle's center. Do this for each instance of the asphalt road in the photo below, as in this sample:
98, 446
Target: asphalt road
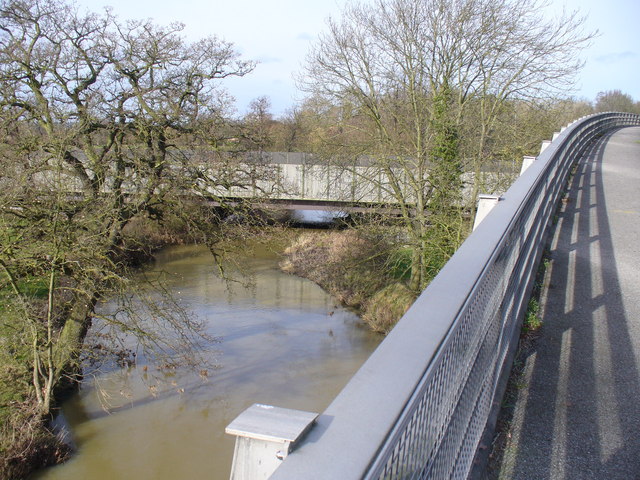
577, 413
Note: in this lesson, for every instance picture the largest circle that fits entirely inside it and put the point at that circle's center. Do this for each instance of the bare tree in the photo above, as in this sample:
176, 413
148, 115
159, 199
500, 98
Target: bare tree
258, 123
615, 101
101, 121
421, 84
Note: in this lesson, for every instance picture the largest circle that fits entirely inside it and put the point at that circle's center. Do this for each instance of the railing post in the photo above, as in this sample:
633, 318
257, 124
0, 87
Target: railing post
526, 163
265, 435
485, 205
545, 144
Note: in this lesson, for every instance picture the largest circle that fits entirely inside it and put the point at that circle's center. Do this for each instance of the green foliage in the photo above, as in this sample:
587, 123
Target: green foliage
399, 264
387, 306
14, 385
15, 381
442, 238
446, 233
35, 287
446, 172
532, 321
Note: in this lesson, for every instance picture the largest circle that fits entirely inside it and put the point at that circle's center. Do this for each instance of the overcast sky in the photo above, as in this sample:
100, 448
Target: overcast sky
277, 34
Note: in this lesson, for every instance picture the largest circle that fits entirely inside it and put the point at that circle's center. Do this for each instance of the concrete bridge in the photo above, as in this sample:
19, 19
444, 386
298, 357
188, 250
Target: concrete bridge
425, 403
294, 180
289, 180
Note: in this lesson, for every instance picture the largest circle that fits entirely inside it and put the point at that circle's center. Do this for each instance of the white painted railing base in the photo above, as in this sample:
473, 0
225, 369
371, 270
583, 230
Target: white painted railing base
265, 435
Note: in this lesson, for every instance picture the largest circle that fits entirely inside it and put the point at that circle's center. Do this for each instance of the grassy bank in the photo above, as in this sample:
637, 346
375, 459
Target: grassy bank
26, 443
360, 269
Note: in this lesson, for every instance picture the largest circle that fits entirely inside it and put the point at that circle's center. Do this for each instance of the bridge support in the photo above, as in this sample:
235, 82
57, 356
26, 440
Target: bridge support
545, 144
485, 205
265, 435
526, 163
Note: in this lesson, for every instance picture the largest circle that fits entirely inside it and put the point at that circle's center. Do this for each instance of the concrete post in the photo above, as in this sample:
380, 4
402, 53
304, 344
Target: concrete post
545, 144
265, 435
526, 163
485, 205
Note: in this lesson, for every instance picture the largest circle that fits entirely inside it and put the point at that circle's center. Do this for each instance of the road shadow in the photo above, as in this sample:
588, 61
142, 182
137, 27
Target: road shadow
577, 408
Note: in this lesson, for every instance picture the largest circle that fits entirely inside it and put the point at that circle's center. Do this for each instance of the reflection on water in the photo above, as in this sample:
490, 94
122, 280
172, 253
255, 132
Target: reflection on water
283, 342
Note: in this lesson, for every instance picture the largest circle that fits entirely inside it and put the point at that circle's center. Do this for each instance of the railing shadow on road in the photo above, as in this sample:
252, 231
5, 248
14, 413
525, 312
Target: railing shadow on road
574, 416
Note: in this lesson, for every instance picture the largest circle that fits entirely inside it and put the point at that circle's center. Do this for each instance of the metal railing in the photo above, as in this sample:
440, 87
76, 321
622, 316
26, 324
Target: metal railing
418, 407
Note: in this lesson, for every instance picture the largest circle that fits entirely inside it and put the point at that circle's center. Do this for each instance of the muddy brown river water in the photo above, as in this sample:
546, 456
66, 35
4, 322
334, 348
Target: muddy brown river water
282, 342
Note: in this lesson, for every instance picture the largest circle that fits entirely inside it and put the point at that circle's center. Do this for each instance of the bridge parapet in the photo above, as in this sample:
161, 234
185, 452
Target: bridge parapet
307, 177
276, 177
419, 406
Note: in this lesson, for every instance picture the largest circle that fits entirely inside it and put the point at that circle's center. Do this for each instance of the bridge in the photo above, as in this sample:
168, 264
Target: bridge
577, 416
296, 180
287, 180
425, 403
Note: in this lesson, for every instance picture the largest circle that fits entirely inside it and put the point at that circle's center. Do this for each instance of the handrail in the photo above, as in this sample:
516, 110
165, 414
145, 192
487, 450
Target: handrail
419, 405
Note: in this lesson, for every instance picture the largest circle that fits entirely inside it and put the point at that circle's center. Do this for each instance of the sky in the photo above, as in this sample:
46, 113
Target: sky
278, 33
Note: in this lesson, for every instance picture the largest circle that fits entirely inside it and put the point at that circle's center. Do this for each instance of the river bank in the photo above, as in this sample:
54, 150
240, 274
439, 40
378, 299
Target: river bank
27, 442
359, 268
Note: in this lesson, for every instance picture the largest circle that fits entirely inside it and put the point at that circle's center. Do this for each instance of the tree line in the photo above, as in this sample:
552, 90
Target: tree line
424, 88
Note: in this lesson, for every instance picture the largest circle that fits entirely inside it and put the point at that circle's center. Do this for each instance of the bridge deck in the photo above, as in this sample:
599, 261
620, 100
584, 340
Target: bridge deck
577, 413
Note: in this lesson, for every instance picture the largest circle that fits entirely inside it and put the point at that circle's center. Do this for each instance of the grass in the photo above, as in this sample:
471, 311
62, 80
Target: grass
31, 286
34, 287
384, 309
532, 321
531, 325
15, 384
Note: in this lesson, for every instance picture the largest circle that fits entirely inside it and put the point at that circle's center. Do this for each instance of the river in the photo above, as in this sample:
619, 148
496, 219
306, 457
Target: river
281, 342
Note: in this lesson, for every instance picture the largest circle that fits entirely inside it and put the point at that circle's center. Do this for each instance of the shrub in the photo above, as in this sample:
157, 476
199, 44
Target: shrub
349, 264
25, 442
361, 270
387, 306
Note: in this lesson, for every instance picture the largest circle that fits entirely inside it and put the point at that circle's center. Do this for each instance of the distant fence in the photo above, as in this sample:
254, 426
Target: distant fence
418, 407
